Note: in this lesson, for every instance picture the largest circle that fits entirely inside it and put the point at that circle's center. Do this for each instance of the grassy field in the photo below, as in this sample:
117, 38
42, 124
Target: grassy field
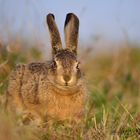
113, 109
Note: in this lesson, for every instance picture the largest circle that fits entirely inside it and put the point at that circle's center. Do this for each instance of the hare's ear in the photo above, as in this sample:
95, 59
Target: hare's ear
54, 34
71, 29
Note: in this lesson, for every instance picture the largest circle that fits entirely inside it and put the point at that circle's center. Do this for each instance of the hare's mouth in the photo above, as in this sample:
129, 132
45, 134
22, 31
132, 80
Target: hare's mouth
65, 86
65, 89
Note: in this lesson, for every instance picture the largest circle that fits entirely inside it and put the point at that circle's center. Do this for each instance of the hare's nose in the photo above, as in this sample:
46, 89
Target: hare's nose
66, 78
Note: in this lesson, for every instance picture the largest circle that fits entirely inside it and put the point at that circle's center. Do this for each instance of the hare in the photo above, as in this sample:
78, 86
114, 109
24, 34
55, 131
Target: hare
54, 89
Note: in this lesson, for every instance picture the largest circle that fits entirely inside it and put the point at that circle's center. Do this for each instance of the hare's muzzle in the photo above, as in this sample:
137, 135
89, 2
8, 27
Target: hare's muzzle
66, 78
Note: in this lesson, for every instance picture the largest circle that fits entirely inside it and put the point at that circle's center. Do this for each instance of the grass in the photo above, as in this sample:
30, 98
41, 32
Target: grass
113, 108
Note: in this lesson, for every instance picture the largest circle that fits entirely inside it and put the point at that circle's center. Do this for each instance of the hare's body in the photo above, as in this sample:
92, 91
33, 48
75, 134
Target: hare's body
31, 91
53, 89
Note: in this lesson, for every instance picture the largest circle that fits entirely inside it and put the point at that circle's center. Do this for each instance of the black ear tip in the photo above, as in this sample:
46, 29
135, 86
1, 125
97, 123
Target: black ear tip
69, 17
50, 16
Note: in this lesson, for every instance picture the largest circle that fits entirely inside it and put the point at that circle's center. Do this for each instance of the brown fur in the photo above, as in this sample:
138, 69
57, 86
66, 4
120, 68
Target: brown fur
31, 90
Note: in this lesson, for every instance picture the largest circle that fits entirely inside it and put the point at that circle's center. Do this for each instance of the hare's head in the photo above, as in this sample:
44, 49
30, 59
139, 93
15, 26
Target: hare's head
66, 70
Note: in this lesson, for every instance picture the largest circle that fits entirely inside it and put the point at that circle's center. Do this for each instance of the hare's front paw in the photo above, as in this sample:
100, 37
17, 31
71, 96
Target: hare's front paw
25, 119
28, 119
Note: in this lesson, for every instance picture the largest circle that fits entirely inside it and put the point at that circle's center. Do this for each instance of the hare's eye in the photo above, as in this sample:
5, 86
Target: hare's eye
77, 66
54, 64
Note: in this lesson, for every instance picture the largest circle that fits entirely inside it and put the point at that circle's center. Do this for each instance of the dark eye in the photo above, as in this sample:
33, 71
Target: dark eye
54, 64
77, 66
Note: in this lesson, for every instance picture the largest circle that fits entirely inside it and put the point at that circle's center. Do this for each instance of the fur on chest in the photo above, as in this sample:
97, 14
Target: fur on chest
65, 107
62, 104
